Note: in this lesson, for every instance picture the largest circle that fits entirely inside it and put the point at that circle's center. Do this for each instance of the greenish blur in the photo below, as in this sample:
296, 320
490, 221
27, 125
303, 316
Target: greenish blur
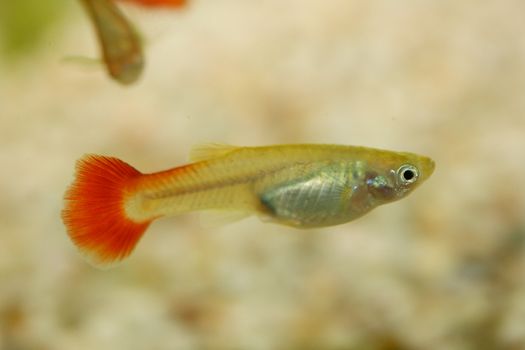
23, 24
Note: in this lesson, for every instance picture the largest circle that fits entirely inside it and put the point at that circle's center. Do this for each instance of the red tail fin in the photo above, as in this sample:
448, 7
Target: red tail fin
155, 3
94, 212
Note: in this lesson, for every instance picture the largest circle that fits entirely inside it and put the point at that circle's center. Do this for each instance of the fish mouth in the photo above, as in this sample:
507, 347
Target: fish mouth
426, 167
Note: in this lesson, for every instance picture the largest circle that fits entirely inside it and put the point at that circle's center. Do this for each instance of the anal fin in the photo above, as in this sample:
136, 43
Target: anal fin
216, 218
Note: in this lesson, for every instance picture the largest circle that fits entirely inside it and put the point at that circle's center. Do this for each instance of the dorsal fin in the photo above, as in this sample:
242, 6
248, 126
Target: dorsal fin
210, 151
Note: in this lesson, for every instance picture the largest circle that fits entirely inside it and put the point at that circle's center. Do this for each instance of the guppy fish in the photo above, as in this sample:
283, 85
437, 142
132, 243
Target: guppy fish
110, 204
120, 44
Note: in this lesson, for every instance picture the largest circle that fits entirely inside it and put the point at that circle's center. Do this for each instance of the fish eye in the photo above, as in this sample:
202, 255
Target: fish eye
407, 174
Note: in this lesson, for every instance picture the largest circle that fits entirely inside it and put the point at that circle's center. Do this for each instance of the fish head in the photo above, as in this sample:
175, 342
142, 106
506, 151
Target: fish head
394, 175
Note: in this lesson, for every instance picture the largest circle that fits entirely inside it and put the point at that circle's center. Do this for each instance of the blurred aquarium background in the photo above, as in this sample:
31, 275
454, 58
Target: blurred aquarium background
441, 269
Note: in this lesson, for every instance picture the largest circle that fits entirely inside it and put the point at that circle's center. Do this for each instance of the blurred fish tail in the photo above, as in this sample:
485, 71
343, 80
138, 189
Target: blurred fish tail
160, 3
94, 212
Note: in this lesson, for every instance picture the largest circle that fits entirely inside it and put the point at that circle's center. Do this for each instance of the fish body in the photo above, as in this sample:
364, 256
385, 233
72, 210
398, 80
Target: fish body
303, 186
120, 44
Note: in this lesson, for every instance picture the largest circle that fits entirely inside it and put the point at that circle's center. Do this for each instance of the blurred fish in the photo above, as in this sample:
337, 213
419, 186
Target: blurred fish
159, 3
110, 204
121, 47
